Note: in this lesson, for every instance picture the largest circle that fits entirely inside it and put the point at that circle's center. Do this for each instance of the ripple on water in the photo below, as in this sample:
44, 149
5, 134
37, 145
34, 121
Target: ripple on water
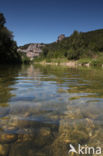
48, 108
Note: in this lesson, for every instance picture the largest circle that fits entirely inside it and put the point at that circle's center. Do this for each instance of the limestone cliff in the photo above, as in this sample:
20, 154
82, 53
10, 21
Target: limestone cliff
31, 50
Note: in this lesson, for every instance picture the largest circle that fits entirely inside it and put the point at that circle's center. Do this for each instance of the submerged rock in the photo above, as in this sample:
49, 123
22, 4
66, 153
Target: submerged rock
45, 132
7, 138
19, 122
22, 149
4, 149
4, 111
74, 129
25, 138
44, 137
9, 128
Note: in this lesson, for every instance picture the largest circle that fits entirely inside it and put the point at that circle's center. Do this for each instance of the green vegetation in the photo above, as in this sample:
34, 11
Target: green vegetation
95, 61
51, 60
24, 46
8, 47
86, 47
25, 59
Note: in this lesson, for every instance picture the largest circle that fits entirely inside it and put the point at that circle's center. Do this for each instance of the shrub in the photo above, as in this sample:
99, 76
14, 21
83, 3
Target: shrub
95, 62
72, 54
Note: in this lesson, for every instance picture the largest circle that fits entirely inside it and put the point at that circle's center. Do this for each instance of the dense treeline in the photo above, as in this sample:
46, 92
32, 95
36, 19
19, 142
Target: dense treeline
8, 47
78, 45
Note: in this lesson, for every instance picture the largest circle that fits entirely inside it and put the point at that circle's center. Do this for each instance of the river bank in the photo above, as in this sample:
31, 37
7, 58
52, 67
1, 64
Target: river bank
72, 63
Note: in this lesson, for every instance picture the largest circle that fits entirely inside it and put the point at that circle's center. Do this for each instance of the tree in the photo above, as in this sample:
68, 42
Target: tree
8, 47
45, 51
2, 20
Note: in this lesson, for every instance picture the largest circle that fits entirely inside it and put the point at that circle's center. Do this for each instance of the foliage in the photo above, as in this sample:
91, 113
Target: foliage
2, 20
79, 45
72, 54
84, 61
98, 61
8, 47
24, 46
25, 59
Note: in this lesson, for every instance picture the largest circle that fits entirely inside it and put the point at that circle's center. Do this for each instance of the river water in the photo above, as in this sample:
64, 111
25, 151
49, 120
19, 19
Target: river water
44, 109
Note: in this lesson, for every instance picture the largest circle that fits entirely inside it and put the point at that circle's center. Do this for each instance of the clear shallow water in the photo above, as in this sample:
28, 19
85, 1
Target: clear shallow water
43, 109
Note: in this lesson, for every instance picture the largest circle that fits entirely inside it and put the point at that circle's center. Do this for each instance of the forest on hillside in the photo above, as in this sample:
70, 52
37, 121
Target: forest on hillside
78, 45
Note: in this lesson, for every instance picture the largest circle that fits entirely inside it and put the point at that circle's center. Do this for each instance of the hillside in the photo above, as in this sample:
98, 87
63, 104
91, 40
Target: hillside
78, 45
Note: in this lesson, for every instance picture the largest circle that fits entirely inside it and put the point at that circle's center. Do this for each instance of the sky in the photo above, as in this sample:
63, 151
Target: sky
41, 21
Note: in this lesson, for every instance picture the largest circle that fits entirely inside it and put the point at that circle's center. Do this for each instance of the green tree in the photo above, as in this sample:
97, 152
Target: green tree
8, 47
2, 20
45, 51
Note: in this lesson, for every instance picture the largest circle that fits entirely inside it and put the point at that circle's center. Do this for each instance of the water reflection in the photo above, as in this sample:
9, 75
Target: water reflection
44, 108
7, 78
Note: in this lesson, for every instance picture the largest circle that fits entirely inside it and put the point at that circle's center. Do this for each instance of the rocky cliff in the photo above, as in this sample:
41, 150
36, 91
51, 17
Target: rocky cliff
31, 50
35, 49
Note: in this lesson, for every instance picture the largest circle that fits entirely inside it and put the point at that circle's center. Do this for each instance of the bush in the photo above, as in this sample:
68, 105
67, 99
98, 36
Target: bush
96, 63
72, 54
84, 61
25, 59
8, 47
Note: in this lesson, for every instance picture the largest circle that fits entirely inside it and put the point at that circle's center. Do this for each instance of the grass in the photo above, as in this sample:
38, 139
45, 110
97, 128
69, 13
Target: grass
84, 61
53, 60
97, 61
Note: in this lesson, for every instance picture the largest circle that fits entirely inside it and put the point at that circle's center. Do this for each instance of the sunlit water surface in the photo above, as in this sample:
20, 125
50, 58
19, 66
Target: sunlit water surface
43, 109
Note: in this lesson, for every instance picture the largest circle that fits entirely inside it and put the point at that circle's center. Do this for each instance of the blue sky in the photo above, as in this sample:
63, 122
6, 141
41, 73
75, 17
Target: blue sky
43, 20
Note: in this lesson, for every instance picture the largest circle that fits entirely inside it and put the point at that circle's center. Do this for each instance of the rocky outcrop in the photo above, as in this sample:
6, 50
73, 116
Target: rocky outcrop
60, 37
33, 50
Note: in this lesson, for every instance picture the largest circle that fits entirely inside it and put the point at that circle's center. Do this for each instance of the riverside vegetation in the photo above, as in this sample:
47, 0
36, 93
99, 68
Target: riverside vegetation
81, 47
84, 48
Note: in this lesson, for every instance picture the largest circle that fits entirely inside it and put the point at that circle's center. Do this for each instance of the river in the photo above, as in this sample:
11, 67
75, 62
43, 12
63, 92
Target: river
44, 109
